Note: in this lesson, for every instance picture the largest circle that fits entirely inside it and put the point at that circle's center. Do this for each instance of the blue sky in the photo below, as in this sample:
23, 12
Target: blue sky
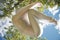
50, 32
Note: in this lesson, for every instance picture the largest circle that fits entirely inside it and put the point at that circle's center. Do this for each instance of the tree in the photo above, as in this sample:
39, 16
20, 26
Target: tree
8, 8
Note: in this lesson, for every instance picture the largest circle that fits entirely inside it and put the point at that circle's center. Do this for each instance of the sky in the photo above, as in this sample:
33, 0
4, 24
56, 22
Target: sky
50, 31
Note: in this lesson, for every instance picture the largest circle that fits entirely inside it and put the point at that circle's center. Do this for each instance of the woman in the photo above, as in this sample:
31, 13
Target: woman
30, 28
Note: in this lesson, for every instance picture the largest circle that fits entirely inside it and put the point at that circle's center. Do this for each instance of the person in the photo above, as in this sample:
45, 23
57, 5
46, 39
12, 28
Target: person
30, 28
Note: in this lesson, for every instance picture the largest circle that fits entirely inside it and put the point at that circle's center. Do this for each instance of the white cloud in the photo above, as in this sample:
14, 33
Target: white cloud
58, 25
53, 10
59, 15
59, 32
42, 25
1, 12
1, 31
4, 22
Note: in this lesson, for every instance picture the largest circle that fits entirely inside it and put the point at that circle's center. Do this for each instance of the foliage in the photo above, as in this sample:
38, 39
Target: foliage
14, 34
9, 5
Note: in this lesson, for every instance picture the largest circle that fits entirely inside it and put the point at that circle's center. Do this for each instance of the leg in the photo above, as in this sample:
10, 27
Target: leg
23, 27
42, 16
34, 24
21, 24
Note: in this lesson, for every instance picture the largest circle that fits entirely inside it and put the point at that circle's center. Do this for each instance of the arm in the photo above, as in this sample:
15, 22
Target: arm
23, 10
